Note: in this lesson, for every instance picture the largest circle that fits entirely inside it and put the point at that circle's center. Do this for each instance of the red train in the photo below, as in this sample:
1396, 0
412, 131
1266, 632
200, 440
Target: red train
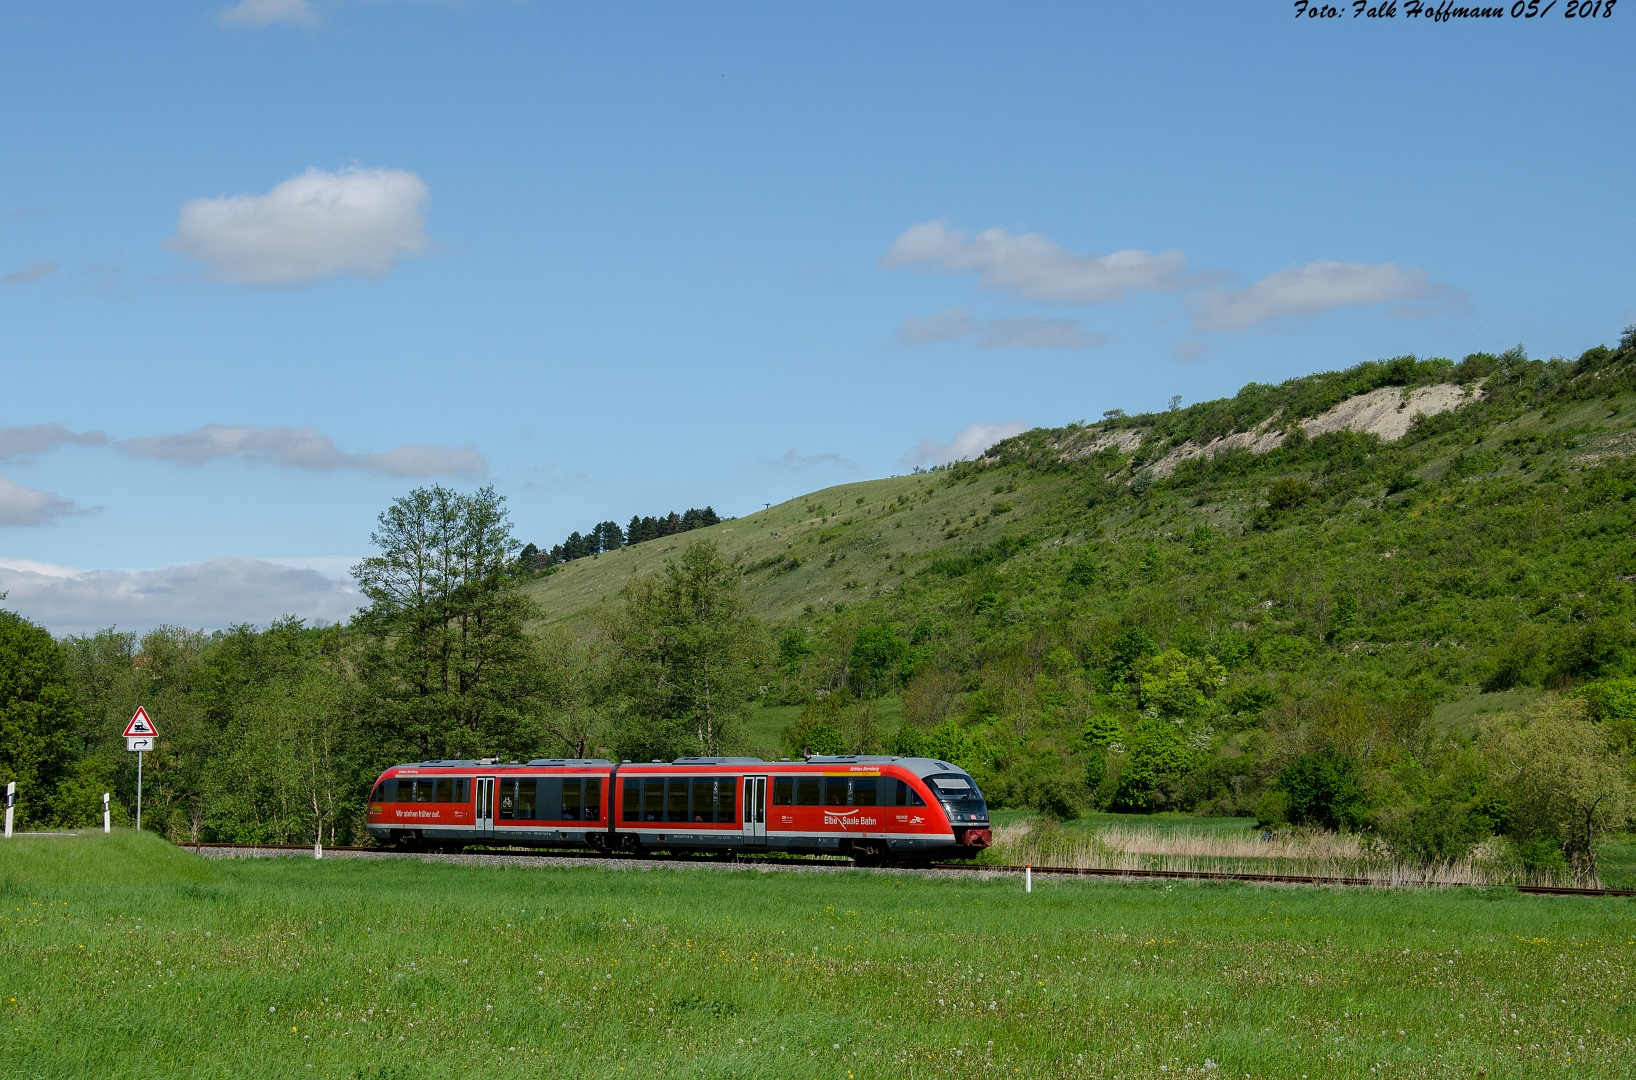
872, 808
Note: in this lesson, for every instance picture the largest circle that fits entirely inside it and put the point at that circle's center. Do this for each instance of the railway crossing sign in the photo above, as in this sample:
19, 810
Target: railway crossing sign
140, 735
141, 726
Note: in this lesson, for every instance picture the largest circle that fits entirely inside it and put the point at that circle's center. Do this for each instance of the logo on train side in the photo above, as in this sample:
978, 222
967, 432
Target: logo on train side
845, 818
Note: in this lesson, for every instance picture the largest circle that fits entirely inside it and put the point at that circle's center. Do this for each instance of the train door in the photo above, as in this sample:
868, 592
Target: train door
755, 810
483, 819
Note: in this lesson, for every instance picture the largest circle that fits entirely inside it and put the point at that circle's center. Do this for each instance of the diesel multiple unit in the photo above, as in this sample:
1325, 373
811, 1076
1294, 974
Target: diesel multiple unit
871, 808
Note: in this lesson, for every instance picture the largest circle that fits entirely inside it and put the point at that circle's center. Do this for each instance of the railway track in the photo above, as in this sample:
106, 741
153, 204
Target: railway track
832, 862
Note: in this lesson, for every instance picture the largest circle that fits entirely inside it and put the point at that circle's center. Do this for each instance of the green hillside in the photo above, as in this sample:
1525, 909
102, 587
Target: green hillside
1040, 609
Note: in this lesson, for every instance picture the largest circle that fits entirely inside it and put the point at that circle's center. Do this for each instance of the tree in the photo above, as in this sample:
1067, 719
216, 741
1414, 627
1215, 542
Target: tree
1325, 788
37, 717
1156, 759
1564, 784
877, 660
449, 664
1177, 686
686, 656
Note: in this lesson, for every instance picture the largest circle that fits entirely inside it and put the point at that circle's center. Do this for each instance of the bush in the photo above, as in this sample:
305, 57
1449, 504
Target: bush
1053, 799
1156, 759
1288, 493
1325, 787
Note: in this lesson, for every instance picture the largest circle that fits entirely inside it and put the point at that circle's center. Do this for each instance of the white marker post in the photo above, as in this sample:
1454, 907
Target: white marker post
11, 800
140, 735
107, 820
1028, 877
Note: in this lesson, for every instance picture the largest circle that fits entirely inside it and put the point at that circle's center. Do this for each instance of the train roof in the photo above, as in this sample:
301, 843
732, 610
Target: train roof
917, 765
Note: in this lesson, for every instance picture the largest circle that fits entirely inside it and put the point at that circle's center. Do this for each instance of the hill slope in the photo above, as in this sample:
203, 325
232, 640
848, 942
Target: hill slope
1370, 558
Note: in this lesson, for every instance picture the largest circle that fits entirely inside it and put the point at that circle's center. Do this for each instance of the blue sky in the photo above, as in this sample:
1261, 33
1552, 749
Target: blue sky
270, 265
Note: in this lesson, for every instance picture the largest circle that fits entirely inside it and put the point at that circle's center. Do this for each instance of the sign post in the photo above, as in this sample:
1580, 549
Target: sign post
11, 800
140, 735
107, 822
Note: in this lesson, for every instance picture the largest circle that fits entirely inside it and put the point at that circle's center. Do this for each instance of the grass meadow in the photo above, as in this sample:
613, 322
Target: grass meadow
125, 957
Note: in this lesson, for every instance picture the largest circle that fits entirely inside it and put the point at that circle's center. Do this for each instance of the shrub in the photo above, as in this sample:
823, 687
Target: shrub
1325, 787
1053, 799
1288, 493
1156, 759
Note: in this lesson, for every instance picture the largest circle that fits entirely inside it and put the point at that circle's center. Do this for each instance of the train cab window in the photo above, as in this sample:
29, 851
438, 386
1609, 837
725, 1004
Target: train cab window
783, 791
592, 809
704, 800
806, 790
676, 799
835, 790
633, 800
653, 799
906, 795
863, 791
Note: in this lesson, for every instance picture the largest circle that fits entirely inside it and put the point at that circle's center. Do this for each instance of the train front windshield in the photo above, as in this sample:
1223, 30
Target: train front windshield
960, 798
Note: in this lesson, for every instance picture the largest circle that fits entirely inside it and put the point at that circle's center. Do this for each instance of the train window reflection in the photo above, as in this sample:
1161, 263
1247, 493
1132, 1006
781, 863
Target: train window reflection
570, 800
653, 799
863, 791
676, 802
783, 791
704, 800
593, 801
806, 791
727, 798
835, 790
633, 800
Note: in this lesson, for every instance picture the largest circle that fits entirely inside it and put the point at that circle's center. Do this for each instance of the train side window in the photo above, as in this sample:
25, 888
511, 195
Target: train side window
593, 800
906, 795
527, 800
417, 790
571, 796
385, 791
508, 799
633, 800
462, 790
835, 793
863, 791
653, 799
704, 799
806, 791
445, 790
676, 799
727, 798
783, 791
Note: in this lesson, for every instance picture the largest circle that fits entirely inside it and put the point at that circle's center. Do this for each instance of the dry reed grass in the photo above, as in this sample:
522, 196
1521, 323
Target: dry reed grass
1302, 852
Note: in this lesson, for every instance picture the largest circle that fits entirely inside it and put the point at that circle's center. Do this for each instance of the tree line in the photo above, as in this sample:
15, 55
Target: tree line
608, 536
277, 734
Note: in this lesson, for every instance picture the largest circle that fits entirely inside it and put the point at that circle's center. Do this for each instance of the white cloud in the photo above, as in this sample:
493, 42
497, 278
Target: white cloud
970, 443
19, 443
316, 225
211, 595
795, 461
303, 448
34, 271
266, 13
1314, 288
27, 507
1031, 266
1025, 332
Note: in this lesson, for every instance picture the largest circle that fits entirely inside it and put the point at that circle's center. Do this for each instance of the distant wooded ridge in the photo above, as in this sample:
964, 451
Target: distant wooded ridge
608, 536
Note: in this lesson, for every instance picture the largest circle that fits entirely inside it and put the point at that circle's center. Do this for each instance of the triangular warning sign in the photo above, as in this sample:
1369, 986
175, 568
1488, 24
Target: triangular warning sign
140, 724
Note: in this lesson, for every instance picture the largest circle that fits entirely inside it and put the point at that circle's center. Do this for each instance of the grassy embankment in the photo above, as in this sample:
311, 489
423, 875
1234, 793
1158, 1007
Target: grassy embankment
125, 957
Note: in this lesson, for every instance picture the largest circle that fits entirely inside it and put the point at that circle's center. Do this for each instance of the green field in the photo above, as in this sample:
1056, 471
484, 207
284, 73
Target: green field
127, 957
